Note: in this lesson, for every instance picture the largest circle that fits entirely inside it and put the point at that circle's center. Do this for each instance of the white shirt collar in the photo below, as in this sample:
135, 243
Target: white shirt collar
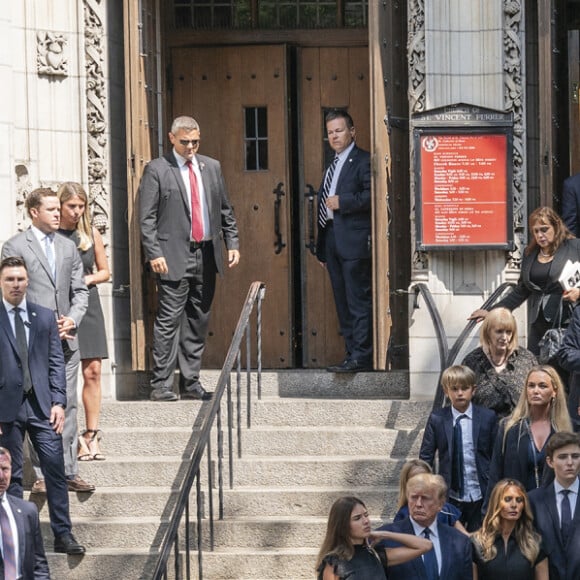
573, 488
455, 413
181, 161
9, 307
418, 528
344, 154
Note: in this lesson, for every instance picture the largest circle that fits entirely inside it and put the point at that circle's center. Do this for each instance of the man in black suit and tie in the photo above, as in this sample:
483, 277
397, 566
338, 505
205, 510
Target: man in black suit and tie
33, 394
450, 558
24, 558
185, 216
556, 507
56, 281
571, 204
344, 240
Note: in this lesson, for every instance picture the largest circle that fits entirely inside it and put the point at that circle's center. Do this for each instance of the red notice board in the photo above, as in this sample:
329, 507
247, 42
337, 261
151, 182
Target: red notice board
463, 189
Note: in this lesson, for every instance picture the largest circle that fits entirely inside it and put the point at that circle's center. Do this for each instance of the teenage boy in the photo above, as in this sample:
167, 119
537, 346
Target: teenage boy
462, 436
557, 509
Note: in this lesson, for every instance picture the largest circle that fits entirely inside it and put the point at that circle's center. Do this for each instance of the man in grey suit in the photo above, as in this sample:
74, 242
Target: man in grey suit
56, 282
185, 217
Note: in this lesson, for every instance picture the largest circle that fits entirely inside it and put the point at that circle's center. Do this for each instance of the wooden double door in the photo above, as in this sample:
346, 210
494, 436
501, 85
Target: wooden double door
261, 111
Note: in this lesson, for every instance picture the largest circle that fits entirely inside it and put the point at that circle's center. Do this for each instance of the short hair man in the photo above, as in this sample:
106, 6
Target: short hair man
451, 557
186, 217
33, 394
25, 560
56, 281
556, 507
344, 240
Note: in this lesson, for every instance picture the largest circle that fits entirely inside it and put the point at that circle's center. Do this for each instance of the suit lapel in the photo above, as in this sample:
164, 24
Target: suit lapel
176, 172
553, 511
476, 426
448, 426
417, 563
37, 250
7, 328
526, 268
33, 328
19, 518
347, 166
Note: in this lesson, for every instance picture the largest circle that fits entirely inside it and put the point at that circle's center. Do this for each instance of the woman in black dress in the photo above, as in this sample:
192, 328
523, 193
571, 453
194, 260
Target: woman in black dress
507, 546
75, 223
346, 553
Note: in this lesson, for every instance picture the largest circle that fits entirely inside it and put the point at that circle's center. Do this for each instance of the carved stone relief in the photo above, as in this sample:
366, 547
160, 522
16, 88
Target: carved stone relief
51, 54
23, 188
96, 103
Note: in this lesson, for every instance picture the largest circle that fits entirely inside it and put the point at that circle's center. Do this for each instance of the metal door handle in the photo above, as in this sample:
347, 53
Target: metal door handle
278, 244
310, 195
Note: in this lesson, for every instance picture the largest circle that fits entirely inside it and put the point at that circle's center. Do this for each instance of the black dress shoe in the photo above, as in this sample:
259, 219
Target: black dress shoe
66, 544
163, 395
196, 392
333, 368
352, 366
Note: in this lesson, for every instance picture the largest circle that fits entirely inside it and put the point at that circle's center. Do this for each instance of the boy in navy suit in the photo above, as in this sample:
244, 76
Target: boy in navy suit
557, 509
463, 436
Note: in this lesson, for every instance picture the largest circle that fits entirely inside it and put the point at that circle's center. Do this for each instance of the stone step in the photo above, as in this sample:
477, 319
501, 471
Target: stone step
271, 411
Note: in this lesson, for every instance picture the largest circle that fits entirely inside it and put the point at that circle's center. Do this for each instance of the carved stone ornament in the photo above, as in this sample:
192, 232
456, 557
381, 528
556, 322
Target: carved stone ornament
51, 54
97, 124
23, 188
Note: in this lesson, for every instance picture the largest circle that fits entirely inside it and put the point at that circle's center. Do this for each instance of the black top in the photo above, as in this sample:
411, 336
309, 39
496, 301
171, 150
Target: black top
364, 565
510, 563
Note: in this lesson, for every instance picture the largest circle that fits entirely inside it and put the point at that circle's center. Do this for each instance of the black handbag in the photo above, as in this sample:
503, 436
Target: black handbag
552, 340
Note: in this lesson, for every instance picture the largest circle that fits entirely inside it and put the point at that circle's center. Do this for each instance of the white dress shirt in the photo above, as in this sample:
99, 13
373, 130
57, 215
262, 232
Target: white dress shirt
342, 157
8, 509
572, 497
23, 314
434, 537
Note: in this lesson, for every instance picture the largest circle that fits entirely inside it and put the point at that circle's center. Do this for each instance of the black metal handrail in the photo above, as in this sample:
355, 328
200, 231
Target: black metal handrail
448, 355
171, 538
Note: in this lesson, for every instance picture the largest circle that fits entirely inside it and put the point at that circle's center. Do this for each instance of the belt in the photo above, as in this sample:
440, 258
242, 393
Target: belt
197, 245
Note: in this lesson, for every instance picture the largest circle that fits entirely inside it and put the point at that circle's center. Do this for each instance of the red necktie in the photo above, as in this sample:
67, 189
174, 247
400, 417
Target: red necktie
196, 220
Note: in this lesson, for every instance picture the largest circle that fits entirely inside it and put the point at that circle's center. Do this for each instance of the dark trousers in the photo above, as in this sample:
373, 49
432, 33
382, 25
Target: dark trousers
48, 445
351, 286
182, 320
471, 516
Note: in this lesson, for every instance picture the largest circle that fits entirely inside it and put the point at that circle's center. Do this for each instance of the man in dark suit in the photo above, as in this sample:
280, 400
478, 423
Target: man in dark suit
450, 558
473, 429
33, 394
28, 561
571, 203
56, 281
344, 240
569, 359
186, 216
556, 507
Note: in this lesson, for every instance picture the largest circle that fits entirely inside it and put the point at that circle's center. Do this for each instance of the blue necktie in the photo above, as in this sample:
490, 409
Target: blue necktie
22, 344
430, 559
8, 546
457, 463
566, 522
322, 210
49, 251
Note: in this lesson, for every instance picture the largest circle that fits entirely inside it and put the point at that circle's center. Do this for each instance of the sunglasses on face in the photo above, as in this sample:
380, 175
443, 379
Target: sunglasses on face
187, 142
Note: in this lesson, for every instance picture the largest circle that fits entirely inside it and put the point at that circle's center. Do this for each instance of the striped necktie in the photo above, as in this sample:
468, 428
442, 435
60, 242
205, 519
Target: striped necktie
9, 551
322, 211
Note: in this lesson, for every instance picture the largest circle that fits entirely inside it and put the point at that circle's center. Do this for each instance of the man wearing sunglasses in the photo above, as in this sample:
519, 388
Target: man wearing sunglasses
185, 214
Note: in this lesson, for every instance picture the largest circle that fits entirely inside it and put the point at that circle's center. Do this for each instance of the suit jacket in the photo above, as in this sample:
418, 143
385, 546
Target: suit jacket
31, 549
455, 554
543, 299
569, 359
166, 219
511, 460
571, 204
45, 361
564, 559
352, 222
438, 438
68, 296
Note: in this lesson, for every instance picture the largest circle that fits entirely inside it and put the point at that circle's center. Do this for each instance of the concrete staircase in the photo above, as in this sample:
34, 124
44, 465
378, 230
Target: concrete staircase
314, 437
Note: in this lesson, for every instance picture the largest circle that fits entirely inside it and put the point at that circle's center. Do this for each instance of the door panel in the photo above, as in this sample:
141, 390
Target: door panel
216, 85
329, 77
574, 99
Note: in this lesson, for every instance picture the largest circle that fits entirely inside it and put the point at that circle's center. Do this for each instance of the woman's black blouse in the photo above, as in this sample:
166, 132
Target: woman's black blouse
364, 565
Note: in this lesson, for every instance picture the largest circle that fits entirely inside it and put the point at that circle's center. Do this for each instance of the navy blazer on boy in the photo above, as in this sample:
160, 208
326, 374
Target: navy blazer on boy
564, 559
438, 439
456, 554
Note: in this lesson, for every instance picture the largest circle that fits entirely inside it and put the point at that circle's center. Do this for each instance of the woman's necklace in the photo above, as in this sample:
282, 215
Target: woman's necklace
501, 362
544, 255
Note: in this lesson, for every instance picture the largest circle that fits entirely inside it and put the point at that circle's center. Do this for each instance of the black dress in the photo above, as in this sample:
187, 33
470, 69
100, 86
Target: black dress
510, 563
364, 565
91, 331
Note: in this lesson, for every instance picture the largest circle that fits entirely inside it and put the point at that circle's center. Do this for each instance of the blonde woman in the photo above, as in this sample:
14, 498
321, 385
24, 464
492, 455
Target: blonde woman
507, 544
75, 223
520, 447
499, 363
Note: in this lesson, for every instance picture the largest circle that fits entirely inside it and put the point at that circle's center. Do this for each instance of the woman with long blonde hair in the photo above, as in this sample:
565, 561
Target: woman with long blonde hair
75, 223
507, 542
520, 448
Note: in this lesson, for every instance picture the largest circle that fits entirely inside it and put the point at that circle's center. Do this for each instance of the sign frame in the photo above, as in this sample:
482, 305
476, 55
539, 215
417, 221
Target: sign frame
466, 122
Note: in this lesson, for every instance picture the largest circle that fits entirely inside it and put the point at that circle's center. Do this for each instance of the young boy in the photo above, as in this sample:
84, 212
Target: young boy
462, 436
557, 509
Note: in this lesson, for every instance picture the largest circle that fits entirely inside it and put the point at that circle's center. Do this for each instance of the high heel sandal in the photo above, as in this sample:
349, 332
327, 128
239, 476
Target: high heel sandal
84, 453
93, 444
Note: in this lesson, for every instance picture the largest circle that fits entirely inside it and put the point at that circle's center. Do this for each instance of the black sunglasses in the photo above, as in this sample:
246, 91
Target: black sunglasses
186, 142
